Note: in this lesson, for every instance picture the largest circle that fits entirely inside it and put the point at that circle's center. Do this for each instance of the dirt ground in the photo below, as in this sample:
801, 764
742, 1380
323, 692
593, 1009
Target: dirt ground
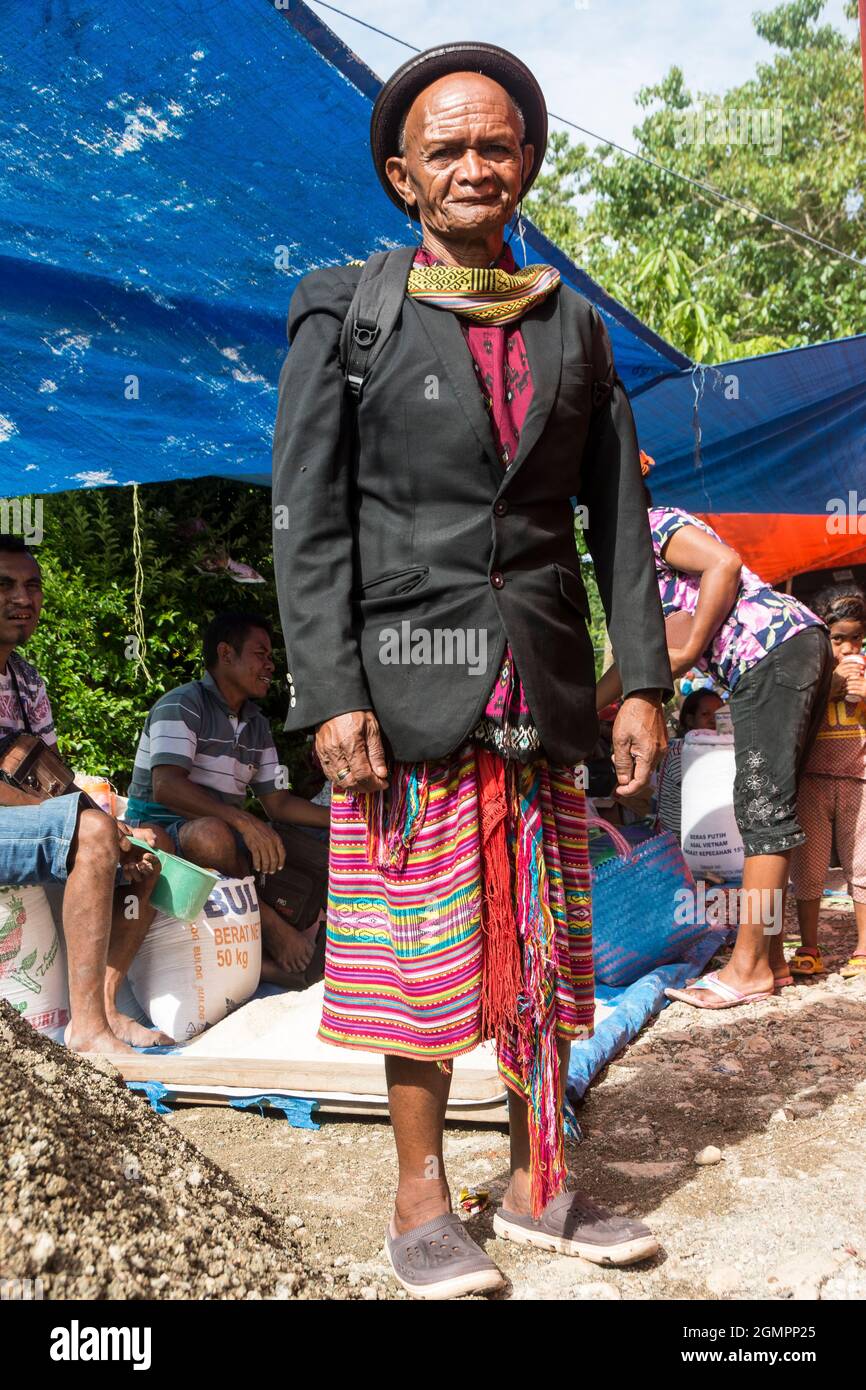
779, 1088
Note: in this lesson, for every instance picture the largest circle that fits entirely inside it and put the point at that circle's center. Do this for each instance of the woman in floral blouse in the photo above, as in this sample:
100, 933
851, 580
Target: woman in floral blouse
774, 657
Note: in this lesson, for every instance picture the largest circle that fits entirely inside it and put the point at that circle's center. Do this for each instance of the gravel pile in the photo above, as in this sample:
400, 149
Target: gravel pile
100, 1198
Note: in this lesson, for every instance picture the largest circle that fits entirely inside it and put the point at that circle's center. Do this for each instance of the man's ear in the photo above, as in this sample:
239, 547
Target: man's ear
528, 157
395, 168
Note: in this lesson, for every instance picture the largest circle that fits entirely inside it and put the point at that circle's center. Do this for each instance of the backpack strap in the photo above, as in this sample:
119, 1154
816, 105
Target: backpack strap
375, 309
376, 306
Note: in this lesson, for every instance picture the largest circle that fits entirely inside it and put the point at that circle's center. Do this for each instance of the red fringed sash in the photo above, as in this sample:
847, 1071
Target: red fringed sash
518, 979
502, 969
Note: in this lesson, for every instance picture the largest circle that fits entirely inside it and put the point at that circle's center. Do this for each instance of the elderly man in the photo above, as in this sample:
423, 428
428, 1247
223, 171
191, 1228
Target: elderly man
435, 621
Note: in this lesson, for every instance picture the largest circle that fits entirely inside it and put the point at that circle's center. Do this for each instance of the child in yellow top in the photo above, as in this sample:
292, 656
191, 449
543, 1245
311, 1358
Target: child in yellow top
832, 793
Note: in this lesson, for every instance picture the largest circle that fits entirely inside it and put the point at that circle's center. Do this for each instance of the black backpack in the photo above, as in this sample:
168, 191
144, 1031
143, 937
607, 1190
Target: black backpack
373, 312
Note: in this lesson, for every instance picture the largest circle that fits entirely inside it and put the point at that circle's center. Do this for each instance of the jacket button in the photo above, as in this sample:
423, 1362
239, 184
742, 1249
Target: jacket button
497, 579
500, 507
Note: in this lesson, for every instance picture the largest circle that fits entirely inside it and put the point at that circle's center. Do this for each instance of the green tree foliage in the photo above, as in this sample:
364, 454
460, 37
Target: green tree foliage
84, 644
711, 279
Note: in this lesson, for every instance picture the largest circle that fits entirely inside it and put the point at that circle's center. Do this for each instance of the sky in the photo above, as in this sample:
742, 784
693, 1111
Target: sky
590, 56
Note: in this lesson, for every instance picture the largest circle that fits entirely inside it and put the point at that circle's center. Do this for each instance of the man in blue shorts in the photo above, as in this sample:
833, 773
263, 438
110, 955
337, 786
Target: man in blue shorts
63, 840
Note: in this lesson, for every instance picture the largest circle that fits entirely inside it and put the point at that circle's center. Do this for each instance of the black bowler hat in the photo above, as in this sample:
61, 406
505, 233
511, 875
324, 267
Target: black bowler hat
408, 81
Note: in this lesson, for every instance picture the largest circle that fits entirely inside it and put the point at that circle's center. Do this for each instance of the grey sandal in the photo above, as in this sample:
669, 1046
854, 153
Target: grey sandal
441, 1260
574, 1225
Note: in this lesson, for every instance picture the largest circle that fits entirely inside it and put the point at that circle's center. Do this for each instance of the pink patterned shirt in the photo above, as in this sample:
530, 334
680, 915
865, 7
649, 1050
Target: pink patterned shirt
34, 696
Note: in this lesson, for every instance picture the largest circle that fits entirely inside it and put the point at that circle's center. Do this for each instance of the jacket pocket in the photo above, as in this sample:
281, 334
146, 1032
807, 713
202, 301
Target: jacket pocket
572, 590
400, 582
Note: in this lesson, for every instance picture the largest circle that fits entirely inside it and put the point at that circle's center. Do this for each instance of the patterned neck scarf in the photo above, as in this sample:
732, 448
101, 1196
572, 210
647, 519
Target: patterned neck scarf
486, 294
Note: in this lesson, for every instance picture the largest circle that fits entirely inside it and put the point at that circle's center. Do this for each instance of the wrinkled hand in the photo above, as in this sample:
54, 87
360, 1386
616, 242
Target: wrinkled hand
137, 863
353, 741
267, 850
639, 739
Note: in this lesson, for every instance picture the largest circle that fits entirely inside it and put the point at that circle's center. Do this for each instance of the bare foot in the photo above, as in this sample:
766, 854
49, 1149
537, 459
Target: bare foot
756, 982
271, 974
289, 949
780, 973
762, 980
126, 1028
104, 1043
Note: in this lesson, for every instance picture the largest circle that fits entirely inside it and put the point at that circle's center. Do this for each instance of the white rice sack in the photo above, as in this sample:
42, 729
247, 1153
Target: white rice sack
711, 841
188, 975
32, 962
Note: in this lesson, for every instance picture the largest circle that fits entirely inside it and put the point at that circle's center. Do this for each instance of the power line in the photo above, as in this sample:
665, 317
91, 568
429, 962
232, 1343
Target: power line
715, 192
644, 158
364, 25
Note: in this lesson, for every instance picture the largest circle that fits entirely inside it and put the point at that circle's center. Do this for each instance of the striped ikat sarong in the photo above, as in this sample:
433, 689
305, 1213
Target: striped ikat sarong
404, 956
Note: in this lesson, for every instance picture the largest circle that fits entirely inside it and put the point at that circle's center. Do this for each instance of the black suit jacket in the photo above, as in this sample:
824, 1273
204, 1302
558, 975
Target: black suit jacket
399, 511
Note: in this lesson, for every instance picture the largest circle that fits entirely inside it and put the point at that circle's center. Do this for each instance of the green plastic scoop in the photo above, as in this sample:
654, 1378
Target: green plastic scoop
182, 889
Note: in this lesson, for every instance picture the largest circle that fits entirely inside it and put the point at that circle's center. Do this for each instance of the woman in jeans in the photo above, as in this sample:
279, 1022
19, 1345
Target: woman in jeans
774, 657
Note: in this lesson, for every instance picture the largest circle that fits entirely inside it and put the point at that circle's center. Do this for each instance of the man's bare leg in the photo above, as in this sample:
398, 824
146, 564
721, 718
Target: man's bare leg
87, 905
417, 1098
285, 952
211, 844
132, 916
517, 1195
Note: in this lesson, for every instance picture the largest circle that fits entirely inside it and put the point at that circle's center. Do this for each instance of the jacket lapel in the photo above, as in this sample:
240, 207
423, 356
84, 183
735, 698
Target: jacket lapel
542, 335
443, 329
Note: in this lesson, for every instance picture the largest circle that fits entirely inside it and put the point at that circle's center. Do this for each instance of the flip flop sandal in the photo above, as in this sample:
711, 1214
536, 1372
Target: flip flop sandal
726, 997
780, 982
807, 963
573, 1225
855, 967
441, 1260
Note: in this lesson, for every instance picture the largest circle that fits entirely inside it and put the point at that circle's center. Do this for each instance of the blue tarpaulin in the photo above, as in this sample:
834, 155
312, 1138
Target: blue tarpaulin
168, 172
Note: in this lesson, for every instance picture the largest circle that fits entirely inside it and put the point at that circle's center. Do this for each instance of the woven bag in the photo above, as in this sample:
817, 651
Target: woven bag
636, 913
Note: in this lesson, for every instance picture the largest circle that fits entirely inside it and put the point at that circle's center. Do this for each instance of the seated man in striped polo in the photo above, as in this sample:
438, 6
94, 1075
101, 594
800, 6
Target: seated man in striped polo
206, 745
